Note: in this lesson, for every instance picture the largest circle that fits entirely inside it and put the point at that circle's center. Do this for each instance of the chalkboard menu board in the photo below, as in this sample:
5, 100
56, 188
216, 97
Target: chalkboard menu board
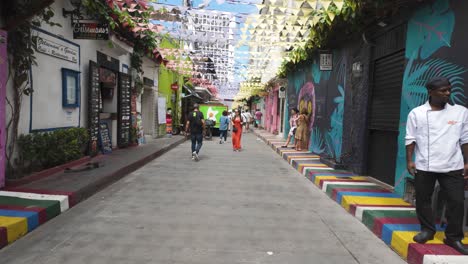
124, 110
93, 108
104, 138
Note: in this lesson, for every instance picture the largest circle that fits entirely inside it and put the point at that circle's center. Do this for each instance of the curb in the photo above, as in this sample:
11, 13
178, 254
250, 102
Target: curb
45, 173
99, 185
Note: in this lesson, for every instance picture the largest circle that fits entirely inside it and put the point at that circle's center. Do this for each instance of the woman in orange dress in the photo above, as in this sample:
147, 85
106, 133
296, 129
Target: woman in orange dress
236, 131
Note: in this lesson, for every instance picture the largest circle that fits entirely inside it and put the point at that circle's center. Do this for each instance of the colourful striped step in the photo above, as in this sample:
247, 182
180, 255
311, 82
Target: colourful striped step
348, 200
444, 259
332, 187
369, 216
319, 178
62, 199
15, 227
291, 159
349, 184
320, 182
72, 199
313, 176
52, 208
380, 222
3, 237
402, 239
41, 212
31, 217
416, 252
357, 209
340, 195
335, 191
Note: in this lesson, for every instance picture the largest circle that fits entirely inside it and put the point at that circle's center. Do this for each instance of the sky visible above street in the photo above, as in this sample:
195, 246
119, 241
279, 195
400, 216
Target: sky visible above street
236, 6
241, 8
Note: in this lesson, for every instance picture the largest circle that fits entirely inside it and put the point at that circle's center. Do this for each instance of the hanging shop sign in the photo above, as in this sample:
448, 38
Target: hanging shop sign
175, 86
56, 48
90, 30
3, 81
326, 61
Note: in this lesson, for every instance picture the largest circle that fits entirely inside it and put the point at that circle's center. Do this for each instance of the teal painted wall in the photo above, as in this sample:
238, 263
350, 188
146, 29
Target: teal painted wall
435, 46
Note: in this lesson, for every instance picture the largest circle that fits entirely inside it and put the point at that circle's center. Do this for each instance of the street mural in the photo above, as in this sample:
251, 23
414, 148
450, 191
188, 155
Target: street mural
322, 94
430, 32
3, 81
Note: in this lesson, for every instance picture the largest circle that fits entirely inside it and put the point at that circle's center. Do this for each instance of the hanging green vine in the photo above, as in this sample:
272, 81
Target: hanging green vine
21, 58
354, 15
131, 21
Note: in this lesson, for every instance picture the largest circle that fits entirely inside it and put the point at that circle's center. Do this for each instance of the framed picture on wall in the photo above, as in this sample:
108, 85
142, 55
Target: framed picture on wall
70, 88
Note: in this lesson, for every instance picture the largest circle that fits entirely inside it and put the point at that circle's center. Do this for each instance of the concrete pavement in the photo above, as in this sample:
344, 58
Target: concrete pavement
246, 207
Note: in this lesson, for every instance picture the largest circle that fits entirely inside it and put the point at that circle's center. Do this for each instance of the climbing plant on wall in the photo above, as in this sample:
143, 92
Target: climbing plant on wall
130, 19
21, 58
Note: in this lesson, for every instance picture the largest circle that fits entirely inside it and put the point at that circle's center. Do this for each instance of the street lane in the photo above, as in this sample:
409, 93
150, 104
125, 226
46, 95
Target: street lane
230, 207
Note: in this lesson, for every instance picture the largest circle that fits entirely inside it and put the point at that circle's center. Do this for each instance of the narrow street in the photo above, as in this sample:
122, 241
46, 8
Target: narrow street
246, 207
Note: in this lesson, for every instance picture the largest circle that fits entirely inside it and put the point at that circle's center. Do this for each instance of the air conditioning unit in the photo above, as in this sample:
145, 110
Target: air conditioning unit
282, 92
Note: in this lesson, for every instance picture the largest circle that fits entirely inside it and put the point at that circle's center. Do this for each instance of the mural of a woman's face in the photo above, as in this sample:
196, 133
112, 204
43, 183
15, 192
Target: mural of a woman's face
307, 101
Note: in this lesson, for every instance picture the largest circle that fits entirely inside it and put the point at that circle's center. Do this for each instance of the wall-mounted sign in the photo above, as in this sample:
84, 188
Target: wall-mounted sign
45, 44
326, 61
90, 30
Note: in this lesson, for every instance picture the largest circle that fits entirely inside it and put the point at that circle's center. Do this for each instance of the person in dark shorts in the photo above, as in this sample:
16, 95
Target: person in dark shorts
195, 125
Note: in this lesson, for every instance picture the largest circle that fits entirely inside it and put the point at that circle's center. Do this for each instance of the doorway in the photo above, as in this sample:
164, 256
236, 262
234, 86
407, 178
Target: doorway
388, 65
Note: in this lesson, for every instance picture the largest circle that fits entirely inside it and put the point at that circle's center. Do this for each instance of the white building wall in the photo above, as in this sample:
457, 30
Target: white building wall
46, 79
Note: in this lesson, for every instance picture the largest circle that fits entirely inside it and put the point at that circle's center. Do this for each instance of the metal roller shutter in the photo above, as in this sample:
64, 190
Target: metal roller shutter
386, 92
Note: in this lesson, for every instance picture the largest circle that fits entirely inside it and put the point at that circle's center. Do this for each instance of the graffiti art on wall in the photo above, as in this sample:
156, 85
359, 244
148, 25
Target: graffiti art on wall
309, 86
3, 81
429, 30
307, 101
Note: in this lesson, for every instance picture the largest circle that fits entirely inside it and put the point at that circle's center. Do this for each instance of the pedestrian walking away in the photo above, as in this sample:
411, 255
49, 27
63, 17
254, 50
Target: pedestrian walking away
258, 118
247, 118
195, 125
236, 122
437, 133
223, 127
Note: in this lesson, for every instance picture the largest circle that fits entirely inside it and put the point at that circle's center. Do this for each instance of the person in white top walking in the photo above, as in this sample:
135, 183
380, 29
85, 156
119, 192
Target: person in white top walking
437, 133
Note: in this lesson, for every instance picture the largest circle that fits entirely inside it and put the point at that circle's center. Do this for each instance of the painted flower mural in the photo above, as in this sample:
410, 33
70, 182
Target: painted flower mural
307, 101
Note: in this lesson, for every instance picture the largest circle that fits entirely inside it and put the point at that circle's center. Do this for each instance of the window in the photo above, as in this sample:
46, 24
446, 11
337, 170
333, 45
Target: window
70, 88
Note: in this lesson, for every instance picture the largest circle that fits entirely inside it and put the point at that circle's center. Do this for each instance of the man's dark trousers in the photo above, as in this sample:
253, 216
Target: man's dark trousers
197, 142
452, 185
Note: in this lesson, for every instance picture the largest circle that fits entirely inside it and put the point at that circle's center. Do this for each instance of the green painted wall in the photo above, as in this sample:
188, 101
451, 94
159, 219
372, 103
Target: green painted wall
166, 78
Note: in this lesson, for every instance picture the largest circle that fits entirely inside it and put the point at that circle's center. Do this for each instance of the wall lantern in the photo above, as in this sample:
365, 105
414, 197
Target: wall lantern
357, 69
75, 13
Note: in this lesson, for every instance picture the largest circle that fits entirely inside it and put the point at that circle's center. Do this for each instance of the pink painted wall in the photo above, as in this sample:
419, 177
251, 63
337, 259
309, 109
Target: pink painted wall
3, 81
271, 115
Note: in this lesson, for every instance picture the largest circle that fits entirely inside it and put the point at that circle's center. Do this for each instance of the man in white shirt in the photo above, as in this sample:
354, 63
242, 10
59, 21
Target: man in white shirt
436, 133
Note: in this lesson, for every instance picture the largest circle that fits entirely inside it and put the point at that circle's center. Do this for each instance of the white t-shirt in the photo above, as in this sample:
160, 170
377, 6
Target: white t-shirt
438, 136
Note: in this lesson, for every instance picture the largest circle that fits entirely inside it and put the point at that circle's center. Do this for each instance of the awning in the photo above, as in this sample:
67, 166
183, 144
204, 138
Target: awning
190, 93
203, 91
